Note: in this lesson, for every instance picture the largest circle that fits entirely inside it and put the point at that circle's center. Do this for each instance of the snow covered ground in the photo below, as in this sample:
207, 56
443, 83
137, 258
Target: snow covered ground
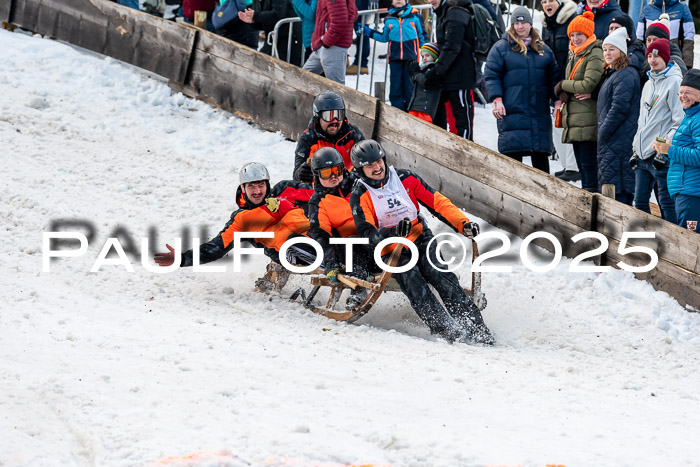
117, 368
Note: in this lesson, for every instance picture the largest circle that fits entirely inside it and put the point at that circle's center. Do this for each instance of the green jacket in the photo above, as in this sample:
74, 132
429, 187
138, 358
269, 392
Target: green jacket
579, 118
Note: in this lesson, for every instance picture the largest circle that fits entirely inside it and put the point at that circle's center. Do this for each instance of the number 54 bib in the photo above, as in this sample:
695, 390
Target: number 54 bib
392, 202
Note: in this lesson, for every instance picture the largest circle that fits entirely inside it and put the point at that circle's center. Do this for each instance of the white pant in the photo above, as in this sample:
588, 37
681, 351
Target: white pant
330, 61
565, 150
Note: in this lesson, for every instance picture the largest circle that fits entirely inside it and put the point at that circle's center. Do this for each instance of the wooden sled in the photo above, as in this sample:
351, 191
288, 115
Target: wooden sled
376, 285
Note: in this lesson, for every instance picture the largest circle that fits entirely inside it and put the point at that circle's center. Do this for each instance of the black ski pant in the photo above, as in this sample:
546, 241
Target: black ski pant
462, 103
460, 317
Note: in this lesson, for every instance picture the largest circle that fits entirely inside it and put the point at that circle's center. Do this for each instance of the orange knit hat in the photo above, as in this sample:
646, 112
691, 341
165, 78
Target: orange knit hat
583, 24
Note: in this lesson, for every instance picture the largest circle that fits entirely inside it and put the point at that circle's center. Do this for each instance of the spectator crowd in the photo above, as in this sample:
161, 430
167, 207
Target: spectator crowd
614, 96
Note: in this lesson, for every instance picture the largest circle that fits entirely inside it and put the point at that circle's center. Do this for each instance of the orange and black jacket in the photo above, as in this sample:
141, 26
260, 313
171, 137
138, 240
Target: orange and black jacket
420, 192
297, 192
330, 215
274, 215
313, 138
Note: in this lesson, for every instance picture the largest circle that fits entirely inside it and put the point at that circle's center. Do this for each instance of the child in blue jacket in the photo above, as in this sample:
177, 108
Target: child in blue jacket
404, 31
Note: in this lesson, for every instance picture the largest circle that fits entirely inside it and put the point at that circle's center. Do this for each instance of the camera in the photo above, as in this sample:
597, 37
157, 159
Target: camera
634, 160
659, 161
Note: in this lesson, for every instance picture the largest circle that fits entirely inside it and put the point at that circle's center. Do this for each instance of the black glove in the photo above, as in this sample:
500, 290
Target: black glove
304, 173
634, 161
403, 228
470, 229
413, 66
432, 79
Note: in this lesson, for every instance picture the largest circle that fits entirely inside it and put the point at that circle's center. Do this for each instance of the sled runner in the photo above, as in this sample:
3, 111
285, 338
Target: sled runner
375, 285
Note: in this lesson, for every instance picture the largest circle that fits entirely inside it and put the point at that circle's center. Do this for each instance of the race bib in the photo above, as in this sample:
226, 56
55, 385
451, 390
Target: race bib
392, 202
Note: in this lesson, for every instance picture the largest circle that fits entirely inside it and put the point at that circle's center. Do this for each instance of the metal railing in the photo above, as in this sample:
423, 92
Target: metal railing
364, 20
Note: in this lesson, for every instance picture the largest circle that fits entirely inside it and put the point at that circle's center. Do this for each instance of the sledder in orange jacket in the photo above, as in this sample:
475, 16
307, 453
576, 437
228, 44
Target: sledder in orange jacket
330, 215
386, 203
328, 128
257, 213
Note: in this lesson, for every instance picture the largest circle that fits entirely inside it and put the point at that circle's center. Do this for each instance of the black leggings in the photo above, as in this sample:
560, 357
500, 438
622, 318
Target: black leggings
540, 160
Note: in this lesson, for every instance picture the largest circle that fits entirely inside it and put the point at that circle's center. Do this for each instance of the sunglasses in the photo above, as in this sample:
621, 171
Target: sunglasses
330, 115
329, 172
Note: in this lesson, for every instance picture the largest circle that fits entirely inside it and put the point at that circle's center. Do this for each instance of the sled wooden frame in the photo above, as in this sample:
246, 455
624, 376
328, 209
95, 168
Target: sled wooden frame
376, 285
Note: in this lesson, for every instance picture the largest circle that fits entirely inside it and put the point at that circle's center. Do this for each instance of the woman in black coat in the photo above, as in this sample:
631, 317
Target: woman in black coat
618, 113
520, 75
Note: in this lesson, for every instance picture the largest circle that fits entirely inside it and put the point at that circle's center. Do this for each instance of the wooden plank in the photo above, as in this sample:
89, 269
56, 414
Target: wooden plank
485, 166
278, 96
143, 40
5, 9
673, 243
499, 209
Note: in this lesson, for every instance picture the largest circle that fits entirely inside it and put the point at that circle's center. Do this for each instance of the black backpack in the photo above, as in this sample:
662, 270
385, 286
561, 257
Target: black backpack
486, 31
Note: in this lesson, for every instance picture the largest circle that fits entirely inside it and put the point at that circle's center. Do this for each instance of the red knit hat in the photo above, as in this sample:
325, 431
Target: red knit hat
662, 48
583, 24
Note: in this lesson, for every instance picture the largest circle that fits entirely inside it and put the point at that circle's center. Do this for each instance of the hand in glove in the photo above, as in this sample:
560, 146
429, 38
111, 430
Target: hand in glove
403, 228
367, 31
563, 95
432, 79
413, 66
304, 173
165, 259
470, 229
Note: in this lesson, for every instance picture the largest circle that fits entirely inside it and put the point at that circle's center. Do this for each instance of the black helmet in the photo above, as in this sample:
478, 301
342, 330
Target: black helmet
365, 152
326, 101
325, 158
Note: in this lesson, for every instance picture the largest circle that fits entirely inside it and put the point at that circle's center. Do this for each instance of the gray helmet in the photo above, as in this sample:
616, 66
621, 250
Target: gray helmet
253, 172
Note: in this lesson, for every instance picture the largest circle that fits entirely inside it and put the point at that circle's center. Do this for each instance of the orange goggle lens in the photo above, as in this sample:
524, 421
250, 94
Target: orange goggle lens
328, 172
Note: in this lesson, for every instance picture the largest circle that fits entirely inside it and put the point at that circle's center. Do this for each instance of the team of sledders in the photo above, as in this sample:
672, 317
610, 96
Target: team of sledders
343, 187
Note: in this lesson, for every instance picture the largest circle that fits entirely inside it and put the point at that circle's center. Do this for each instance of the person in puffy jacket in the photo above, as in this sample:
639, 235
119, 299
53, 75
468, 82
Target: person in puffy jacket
617, 119
679, 20
579, 117
660, 114
558, 15
684, 155
603, 11
405, 33
331, 38
520, 75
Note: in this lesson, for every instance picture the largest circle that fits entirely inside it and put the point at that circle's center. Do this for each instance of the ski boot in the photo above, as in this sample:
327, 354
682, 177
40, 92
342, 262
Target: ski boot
274, 279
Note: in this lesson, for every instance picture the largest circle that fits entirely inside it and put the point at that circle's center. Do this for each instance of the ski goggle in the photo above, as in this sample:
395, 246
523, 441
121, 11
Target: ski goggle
330, 115
328, 172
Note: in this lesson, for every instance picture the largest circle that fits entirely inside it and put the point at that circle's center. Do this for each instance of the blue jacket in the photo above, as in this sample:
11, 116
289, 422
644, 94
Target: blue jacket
602, 16
684, 154
306, 10
618, 113
404, 31
678, 14
526, 85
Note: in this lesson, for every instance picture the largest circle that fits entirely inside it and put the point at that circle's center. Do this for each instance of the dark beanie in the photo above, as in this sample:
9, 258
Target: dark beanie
626, 22
692, 79
660, 47
659, 28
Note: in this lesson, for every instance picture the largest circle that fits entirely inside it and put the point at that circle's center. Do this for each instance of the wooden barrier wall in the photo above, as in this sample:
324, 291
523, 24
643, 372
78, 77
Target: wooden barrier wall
278, 97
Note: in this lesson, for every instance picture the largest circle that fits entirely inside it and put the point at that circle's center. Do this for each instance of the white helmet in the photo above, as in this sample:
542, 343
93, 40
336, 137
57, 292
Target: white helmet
253, 172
